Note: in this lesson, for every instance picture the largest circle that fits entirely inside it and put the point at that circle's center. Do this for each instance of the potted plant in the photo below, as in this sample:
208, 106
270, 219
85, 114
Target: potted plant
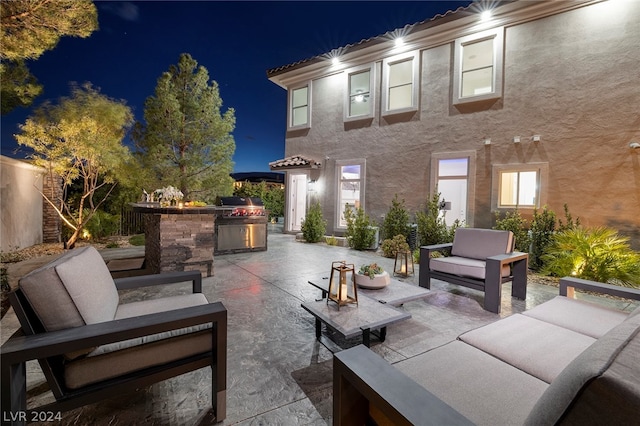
372, 276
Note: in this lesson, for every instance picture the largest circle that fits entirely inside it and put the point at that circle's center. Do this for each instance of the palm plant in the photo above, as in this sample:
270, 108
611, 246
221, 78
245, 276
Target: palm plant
597, 254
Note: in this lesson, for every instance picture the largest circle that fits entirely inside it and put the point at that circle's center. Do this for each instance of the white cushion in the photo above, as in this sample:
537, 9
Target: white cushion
579, 316
463, 266
89, 283
535, 347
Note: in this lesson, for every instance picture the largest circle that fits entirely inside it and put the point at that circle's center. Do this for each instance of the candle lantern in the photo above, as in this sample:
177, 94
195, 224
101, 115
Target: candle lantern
342, 284
403, 266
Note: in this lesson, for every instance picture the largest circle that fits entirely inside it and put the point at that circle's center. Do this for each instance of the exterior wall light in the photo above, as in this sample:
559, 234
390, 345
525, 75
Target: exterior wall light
634, 145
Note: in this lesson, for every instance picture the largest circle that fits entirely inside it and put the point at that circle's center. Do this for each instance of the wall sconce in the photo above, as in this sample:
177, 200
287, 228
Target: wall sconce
403, 266
536, 138
634, 145
311, 185
516, 139
487, 141
340, 284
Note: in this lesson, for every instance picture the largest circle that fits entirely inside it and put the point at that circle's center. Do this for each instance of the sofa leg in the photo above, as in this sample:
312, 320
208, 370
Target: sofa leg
493, 287
14, 394
424, 279
519, 282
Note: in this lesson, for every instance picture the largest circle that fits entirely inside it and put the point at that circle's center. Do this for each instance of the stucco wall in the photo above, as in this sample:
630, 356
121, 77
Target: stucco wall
20, 204
571, 78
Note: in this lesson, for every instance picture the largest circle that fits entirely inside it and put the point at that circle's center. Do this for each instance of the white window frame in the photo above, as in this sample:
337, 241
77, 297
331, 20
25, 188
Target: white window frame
542, 173
307, 124
372, 93
495, 34
339, 164
413, 56
471, 177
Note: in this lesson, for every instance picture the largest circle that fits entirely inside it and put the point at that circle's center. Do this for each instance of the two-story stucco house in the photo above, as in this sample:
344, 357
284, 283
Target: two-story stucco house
534, 104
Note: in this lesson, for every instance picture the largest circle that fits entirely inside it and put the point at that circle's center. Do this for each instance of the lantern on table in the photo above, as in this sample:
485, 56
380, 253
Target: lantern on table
342, 284
403, 266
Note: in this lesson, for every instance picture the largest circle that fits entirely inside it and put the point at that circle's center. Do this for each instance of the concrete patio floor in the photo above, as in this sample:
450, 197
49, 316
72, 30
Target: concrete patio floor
277, 372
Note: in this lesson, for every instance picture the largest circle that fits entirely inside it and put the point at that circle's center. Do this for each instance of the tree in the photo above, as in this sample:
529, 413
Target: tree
80, 139
186, 140
28, 28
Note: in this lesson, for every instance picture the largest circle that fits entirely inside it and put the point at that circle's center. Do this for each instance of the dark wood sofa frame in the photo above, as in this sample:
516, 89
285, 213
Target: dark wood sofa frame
491, 285
31, 342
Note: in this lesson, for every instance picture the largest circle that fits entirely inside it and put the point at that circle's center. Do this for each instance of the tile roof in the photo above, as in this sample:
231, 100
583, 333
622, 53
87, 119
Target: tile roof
377, 39
295, 161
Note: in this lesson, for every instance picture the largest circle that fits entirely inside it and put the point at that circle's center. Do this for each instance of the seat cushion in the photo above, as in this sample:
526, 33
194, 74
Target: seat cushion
482, 388
535, 347
601, 386
582, 317
88, 370
476, 243
463, 266
151, 306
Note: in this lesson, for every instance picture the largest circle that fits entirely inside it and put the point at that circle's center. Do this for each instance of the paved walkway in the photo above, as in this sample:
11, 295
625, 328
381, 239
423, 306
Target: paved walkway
277, 372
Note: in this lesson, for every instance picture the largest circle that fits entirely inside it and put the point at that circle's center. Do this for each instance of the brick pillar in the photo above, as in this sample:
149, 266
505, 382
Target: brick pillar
51, 222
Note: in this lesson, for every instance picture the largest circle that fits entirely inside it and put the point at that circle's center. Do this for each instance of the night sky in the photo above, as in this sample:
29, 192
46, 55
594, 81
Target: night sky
236, 41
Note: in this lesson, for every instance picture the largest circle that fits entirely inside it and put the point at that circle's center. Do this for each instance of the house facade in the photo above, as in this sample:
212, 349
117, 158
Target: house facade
536, 105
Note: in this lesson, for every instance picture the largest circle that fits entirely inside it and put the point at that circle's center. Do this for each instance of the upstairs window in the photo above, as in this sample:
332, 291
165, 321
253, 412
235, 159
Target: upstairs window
360, 96
299, 101
478, 67
400, 87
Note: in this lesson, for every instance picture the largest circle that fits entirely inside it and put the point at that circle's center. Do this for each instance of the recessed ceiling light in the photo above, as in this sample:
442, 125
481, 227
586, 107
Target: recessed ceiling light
485, 15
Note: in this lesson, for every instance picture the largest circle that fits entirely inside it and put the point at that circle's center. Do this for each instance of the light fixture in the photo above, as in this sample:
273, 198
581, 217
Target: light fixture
536, 138
342, 289
485, 15
516, 139
487, 141
634, 145
399, 42
335, 61
403, 266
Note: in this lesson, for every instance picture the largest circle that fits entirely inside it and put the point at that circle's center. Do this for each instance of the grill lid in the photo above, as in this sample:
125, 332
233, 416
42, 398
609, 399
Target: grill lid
240, 201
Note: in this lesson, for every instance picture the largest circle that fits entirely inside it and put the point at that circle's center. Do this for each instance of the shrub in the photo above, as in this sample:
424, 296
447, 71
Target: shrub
391, 246
332, 240
432, 228
515, 223
360, 232
137, 240
313, 225
597, 254
542, 230
570, 222
396, 221
102, 225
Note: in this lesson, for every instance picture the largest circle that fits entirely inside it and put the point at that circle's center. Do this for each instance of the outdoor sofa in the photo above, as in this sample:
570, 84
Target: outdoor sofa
90, 346
565, 361
481, 259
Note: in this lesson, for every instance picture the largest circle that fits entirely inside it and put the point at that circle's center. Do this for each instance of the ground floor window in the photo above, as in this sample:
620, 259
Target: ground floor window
519, 185
350, 188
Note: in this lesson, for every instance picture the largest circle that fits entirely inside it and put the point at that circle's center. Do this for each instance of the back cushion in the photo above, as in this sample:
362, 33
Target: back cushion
89, 283
600, 386
477, 243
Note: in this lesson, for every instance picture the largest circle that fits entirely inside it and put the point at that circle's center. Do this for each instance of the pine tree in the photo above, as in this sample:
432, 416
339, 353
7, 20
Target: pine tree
186, 140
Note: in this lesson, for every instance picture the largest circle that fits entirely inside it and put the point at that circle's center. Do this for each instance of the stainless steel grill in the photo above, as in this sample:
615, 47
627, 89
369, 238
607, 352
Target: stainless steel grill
241, 225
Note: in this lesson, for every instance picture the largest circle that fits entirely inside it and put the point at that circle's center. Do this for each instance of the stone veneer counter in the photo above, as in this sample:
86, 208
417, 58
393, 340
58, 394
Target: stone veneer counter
178, 239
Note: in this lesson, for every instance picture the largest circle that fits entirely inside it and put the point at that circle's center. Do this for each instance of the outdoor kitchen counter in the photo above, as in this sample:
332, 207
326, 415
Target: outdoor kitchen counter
178, 239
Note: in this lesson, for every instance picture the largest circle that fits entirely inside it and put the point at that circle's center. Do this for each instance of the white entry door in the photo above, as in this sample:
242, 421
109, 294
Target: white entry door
297, 200
452, 186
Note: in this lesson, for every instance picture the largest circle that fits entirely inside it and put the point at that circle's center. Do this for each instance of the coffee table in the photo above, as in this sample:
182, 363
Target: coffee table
376, 309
